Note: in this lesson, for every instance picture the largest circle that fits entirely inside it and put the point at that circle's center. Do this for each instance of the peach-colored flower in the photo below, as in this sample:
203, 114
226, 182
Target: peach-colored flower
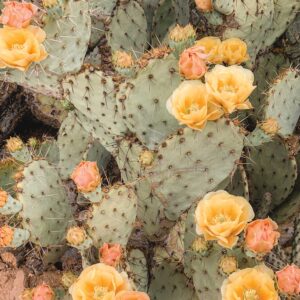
3, 197
211, 46
192, 64
6, 236
86, 176
222, 217
21, 47
230, 87
289, 280
43, 292
204, 5
234, 51
261, 235
132, 295
99, 281
191, 105
110, 254
17, 14
250, 284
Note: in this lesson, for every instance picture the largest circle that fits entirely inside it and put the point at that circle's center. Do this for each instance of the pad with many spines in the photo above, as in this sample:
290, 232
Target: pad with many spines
209, 156
72, 142
112, 220
268, 166
128, 29
94, 95
144, 107
283, 101
46, 212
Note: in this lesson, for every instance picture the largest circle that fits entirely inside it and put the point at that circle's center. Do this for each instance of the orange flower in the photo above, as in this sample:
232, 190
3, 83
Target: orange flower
289, 280
43, 292
16, 14
191, 105
21, 47
86, 176
6, 236
99, 281
261, 235
3, 197
132, 295
222, 217
110, 254
192, 64
204, 5
250, 284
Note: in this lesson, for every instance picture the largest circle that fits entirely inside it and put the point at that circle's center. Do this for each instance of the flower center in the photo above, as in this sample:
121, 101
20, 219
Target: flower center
100, 292
250, 295
220, 218
17, 46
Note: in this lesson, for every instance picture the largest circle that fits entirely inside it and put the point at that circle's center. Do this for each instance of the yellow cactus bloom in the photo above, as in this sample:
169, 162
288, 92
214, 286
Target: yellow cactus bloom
234, 51
200, 245
250, 284
211, 45
76, 236
99, 282
204, 5
132, 295
191, 105
230, 87
146, 158
221, 216
19, 47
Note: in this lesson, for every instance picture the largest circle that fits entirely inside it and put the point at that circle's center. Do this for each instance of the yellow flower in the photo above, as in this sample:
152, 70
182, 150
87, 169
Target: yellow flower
99, 282
191, 105
211, 45
250, 284
76, 236
14, 144
270, 126
234, 51
222, 217
20, 47
230, 86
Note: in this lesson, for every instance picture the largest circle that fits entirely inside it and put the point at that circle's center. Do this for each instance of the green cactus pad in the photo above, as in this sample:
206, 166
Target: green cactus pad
8, 168
72, 142
138, 270
49, 151
93, 94
268, 166
169, 282
23, 155
257, 138
128, 29
144, 107
283, 102
238, 184
12, 206
67, 38
266, 70
112, 220
181, 159
21, 236
46, 212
